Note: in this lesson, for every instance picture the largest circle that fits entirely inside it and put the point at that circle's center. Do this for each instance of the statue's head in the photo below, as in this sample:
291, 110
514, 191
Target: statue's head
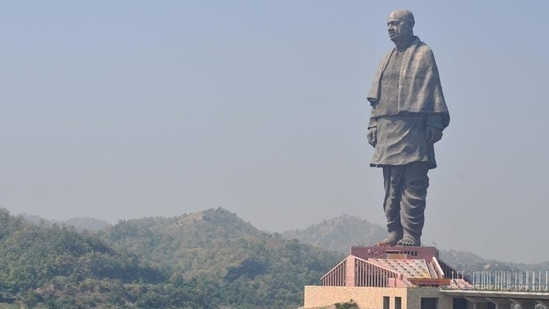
400, 25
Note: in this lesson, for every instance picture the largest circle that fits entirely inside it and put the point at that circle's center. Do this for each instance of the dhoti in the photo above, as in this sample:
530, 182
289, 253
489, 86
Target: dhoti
405, 193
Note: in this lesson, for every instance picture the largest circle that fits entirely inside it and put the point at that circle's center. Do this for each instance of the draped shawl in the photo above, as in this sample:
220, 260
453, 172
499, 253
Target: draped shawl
419, 88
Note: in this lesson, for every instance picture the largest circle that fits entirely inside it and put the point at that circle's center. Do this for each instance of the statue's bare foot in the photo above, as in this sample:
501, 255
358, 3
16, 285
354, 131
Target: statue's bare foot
408, 241
391, 239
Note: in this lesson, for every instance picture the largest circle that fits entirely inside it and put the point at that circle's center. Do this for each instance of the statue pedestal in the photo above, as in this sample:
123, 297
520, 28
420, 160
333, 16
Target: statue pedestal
388, 252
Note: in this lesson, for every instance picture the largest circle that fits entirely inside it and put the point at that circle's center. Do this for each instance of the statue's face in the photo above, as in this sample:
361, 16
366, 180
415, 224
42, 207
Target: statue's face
397, 27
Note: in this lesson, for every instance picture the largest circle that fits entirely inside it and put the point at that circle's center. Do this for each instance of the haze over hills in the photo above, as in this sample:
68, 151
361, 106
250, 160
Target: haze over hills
336, 234
80, 223
339, 233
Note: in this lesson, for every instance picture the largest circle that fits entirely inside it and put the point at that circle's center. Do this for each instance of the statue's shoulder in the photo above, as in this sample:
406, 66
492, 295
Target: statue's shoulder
423, 51
422, 46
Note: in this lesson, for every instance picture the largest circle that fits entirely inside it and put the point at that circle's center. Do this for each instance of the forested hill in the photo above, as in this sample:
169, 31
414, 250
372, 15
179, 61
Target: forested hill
211, 259
251, 266
55, 267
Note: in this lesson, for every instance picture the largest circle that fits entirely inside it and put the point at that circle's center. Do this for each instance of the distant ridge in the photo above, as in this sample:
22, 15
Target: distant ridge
79, 223
339, 233
336, 234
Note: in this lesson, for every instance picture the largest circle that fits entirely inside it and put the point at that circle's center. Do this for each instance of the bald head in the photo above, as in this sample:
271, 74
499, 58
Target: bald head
406, 15
400, 26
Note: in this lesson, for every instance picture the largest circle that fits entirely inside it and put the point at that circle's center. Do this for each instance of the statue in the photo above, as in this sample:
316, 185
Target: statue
407, 117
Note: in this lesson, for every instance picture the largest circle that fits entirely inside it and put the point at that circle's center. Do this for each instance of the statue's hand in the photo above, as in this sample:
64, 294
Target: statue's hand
433, 134
372, 136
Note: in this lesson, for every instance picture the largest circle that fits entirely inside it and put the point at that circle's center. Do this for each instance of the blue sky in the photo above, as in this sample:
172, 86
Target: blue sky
126, 109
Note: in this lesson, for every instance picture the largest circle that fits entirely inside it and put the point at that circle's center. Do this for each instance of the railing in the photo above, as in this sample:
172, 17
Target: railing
531, 281
336, 276
368, 274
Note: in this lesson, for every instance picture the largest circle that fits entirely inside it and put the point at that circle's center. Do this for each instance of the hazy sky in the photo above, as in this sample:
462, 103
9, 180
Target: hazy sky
126, 109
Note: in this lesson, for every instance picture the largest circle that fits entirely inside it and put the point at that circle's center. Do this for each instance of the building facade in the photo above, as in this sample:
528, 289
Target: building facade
412, 278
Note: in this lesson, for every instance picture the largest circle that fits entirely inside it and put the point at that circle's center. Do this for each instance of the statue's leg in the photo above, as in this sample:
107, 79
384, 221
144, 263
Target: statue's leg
412, 204
392, 176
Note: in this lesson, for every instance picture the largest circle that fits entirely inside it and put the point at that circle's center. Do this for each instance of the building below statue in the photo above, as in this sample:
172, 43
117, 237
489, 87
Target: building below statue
401, 277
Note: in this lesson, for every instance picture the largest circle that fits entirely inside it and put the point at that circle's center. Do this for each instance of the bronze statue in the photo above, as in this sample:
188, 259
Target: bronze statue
408, 116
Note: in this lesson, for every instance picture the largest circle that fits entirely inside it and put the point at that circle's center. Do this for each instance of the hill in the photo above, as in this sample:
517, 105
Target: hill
56, 267
211, 259
246, 267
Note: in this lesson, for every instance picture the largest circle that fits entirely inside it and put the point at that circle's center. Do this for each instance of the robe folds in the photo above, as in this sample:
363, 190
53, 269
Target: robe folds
406, 98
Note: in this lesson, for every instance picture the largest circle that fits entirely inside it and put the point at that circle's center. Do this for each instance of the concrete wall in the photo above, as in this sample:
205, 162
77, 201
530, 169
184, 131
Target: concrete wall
371, 298
364, 297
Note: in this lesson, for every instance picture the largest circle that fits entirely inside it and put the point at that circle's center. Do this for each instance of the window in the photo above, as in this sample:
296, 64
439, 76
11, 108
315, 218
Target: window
429, 303
386, 302
398, 303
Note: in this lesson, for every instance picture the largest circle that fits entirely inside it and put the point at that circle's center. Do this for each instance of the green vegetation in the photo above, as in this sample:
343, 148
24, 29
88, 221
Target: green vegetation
210, 259
348, 305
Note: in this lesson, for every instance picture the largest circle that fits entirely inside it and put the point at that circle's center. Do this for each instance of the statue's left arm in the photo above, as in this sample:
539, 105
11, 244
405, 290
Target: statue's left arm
433, 127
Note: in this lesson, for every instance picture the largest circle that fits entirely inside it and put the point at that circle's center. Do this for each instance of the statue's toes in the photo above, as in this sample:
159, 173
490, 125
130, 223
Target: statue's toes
407, 241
